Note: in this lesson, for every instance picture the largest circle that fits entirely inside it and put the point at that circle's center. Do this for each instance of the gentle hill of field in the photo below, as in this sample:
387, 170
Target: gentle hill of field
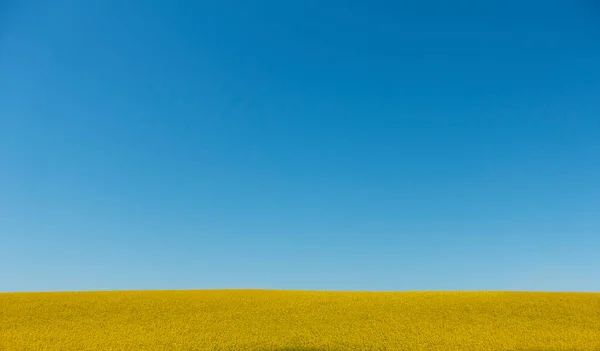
299, 320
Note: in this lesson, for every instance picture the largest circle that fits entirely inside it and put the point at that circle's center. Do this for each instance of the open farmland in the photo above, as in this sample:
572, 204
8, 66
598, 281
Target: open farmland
299, 320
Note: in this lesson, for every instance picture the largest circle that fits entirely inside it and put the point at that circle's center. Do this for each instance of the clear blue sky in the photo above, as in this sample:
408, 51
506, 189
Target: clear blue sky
346, 145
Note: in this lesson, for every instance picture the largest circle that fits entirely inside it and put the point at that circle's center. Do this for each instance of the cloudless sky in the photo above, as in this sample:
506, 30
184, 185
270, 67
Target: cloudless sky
330, 145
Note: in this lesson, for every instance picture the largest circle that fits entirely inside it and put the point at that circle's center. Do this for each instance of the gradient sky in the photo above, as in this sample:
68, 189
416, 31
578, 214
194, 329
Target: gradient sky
338, 145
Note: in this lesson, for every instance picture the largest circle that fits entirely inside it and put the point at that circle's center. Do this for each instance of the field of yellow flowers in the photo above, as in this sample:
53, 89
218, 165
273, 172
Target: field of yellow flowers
299, 320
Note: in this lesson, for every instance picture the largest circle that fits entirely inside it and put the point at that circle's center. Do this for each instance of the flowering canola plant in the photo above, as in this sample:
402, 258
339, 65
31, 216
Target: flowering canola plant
299, 321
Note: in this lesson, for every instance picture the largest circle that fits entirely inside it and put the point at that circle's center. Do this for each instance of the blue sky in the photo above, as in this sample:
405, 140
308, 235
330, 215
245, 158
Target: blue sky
339, 145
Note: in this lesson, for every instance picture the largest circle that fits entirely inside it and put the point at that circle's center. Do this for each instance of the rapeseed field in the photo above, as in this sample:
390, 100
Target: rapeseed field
299, 320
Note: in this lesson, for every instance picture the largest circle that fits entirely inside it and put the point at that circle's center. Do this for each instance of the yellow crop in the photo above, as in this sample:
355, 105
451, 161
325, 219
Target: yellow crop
299, 320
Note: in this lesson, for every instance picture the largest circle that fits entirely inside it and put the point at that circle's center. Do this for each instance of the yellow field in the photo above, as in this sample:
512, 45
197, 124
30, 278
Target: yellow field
299, 320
